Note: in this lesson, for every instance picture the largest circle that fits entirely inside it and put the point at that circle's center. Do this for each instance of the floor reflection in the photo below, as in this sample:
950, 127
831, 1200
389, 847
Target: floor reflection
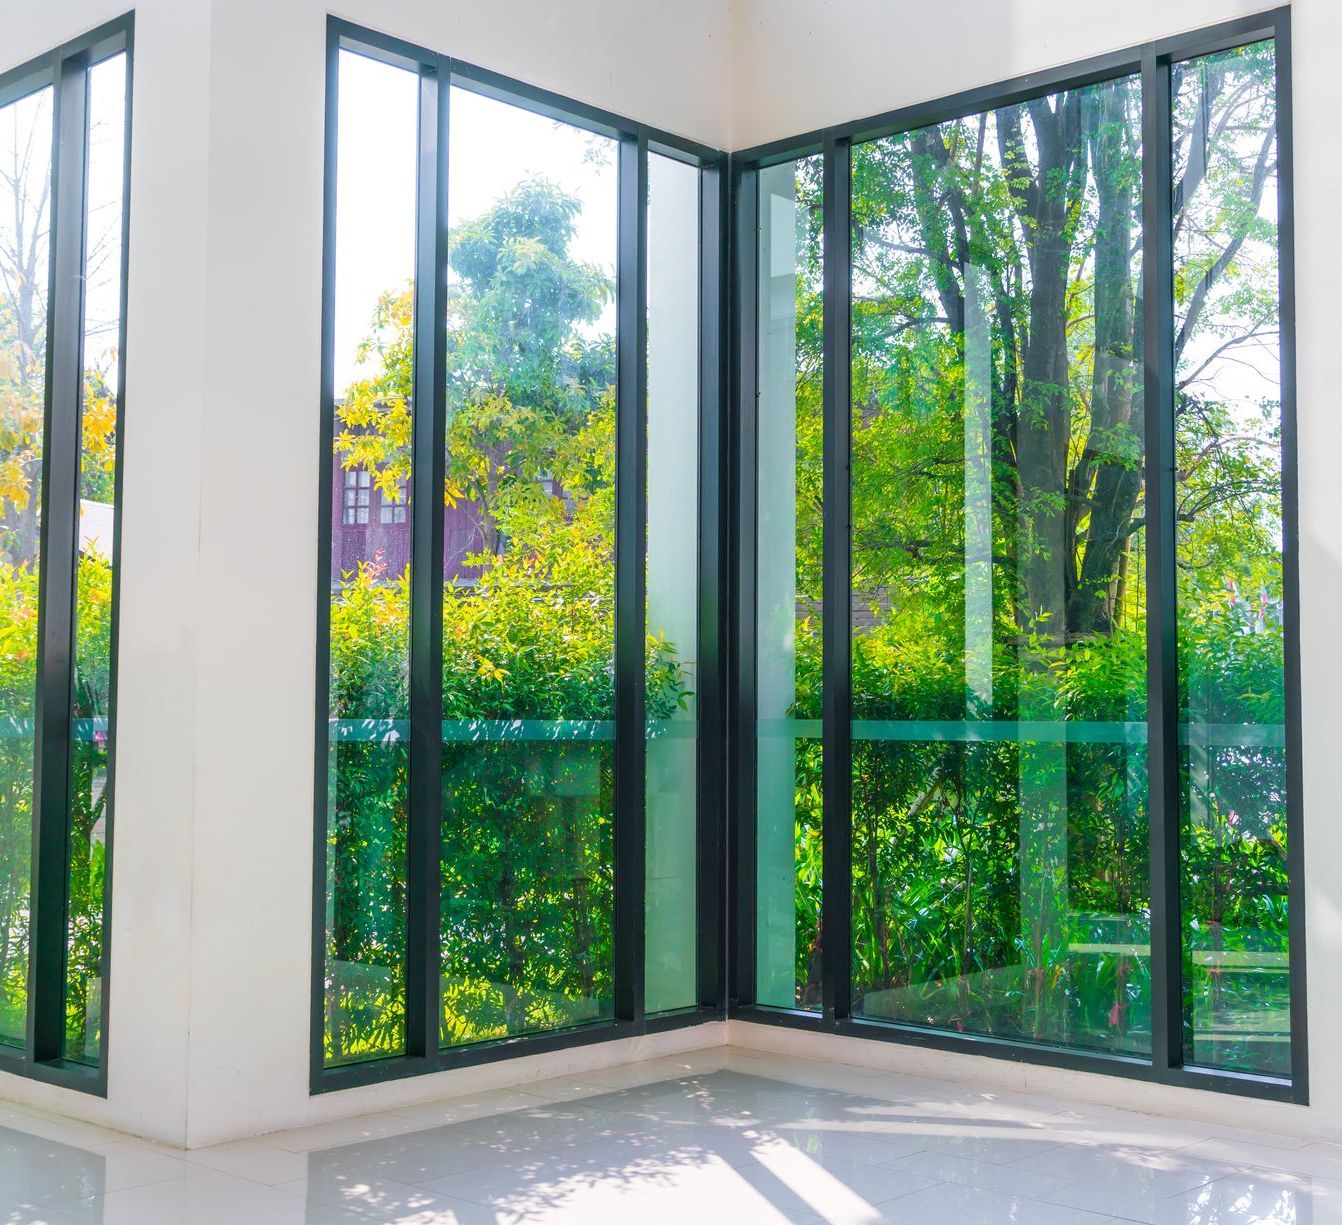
724, 1136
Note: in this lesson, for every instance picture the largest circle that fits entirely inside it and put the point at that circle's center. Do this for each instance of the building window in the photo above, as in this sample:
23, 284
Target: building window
393, 509
1025, 728
497, 783
358, 495
63, 141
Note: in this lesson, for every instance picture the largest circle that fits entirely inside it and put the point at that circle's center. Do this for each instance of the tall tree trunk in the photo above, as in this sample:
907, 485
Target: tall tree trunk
1047, 199
1107, 480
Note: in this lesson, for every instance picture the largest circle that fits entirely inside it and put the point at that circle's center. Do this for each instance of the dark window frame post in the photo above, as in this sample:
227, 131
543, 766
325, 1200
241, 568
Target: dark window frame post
836, 669
631, 605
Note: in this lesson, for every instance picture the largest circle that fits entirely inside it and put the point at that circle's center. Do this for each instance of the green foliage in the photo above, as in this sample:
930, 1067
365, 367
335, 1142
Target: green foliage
528, 654
1001, 876
1000, 841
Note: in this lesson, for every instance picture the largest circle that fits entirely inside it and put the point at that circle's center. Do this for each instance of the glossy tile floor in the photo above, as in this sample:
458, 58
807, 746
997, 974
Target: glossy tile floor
718, 1136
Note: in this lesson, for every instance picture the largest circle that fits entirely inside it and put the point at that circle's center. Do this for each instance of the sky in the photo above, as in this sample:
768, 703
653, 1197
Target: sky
493, 146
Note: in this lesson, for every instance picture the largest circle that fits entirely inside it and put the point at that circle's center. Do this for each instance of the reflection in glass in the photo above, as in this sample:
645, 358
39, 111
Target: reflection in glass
376, 164
998, 614
789, 463
528, 610
1232, 698
98, 446
25, 193
24, 254
673, 583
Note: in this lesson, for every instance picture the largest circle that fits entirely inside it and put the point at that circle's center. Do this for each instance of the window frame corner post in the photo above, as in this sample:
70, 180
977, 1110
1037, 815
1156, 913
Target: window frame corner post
325, 511
127, 26
1162, 620
1286, 264
631, 484
424, 832
743, 414
836, 690
59, 549
714, 587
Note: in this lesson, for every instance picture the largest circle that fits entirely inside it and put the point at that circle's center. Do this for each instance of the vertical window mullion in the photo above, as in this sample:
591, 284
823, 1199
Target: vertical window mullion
836, 955
1161, 625
58, 551
1295, 853
330, 513
743, 515
630, 578
712, 587
426, 568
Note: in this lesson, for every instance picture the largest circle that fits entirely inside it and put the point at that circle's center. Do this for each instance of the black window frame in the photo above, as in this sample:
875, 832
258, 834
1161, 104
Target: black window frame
437, 74
1151, 62
66, 70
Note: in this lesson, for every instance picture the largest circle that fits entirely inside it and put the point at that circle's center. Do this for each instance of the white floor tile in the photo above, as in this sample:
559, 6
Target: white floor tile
1124, 1180
263, 1163
1252, 1198
203, 1197
566, 1089
694, 1140
951, 1204
1315, 1161
467, 1109
1005, 1179
341, 1131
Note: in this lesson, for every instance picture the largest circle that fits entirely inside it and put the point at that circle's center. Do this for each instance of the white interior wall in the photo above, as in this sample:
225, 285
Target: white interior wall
210, 938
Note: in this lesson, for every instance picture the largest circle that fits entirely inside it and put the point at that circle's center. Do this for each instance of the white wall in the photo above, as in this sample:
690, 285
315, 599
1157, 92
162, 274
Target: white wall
804, 64
210, 927
150, 982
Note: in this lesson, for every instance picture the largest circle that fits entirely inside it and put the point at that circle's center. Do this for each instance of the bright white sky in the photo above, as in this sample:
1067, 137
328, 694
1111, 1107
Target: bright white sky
493, 148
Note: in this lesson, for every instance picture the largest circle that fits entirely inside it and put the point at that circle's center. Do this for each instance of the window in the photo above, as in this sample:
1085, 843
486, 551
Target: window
999, 604
358, 495
63, 158
1230, 413
673, 450
393, 508
527, 879
1022, 663
509, 816
366, 725
1014, 763
789, 600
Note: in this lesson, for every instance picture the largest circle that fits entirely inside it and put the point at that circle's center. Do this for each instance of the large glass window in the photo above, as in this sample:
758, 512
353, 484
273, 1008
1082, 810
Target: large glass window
1230, 584
63, 158
673, 584
367, 736
25, 254
529, 626
998, 595
503, 857
788, 597
90, 765
1073, 818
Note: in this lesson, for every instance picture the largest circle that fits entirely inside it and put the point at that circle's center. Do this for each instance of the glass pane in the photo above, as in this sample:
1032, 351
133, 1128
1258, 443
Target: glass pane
25, 188
98, 441
999, 657
1232, 698
376, 160
529, 567
789, 459
673, 584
